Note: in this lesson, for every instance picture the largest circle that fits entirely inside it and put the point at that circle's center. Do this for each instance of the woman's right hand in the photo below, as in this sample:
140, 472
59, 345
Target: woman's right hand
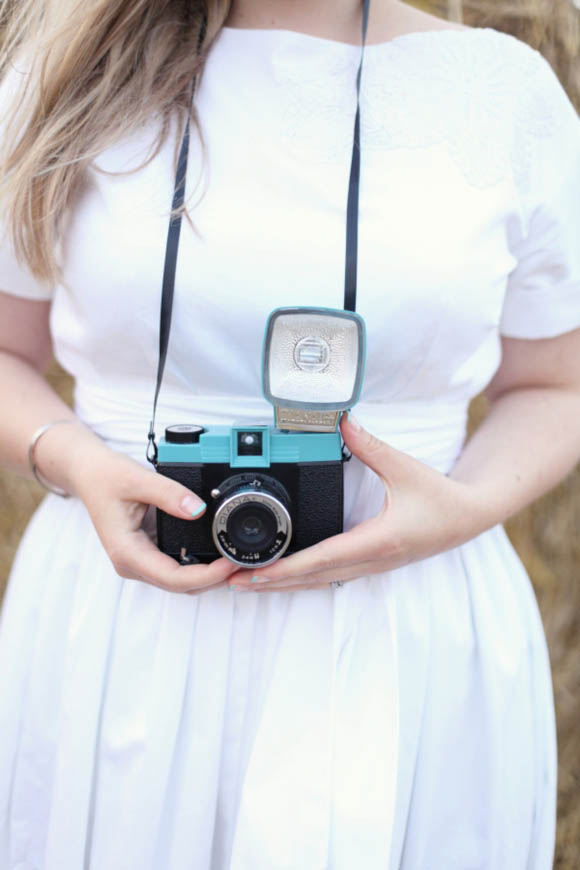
117, 492
115, 489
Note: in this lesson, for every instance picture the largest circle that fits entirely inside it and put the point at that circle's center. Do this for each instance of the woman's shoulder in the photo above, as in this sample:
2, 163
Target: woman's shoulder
401, 23
487, 67
484, 92
408, 22
397, 19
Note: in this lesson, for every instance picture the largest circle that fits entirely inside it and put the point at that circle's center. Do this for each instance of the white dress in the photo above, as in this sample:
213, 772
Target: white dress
404, 720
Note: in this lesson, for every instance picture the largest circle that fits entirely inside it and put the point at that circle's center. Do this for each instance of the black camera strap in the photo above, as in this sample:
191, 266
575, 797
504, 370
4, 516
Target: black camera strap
351, 262
168, 283
174, 232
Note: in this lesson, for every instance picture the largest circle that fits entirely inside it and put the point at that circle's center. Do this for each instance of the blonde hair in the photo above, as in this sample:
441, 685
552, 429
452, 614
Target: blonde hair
97, 71
94, 73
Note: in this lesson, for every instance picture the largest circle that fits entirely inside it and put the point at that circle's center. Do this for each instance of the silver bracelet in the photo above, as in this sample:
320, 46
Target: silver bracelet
32, 459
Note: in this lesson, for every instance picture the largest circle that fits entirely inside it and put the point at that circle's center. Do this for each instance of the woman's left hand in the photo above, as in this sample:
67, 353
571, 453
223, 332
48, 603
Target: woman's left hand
424, 513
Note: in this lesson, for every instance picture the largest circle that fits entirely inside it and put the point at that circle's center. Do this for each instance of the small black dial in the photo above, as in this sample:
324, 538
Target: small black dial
185, 433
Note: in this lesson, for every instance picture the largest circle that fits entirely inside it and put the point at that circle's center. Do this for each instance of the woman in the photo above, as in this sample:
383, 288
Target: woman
153, 716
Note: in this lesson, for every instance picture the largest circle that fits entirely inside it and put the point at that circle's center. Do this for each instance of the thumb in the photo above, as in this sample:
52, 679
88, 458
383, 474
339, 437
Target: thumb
378, 455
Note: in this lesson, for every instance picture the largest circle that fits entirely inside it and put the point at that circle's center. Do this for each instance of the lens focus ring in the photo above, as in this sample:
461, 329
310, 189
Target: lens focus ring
252, 528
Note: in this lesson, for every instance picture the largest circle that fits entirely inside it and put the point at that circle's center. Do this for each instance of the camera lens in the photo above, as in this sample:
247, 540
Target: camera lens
252, 525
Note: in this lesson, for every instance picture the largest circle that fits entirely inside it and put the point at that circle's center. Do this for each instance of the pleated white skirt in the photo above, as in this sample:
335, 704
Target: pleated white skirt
404, 720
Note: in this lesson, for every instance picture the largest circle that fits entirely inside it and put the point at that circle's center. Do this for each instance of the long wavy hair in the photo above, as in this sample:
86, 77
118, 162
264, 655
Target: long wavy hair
95, 72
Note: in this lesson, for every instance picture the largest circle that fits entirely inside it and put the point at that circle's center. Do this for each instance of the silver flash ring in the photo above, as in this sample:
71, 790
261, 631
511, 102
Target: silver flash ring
336, 583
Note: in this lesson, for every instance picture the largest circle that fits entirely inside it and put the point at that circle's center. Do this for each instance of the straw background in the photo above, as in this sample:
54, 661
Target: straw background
546, 534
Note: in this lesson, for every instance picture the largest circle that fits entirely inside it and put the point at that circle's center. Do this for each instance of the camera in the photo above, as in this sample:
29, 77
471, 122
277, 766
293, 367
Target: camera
271, 490
268, 492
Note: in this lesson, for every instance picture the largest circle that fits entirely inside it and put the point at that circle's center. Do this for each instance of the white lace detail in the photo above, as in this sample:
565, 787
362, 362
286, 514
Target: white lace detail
484, 93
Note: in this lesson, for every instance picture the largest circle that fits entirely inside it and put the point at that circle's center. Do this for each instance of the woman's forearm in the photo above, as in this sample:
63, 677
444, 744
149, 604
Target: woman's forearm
528, 442
28, 402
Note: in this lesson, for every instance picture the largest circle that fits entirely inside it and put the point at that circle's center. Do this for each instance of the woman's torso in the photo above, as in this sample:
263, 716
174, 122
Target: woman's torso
439, 214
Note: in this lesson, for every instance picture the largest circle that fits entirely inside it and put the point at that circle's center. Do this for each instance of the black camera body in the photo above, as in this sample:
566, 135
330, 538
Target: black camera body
269, 492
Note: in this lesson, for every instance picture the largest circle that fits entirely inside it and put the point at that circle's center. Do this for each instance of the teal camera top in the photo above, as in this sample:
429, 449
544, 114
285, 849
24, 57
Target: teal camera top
221, 444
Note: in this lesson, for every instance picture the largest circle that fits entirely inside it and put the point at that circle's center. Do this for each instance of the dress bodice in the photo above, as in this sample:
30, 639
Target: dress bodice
466, 232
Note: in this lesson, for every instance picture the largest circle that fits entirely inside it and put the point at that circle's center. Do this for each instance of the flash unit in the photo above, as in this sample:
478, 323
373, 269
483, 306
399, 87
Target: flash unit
313, 366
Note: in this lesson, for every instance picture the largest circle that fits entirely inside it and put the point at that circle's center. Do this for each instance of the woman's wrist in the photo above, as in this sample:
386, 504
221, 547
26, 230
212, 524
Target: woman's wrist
66, 454
476, 513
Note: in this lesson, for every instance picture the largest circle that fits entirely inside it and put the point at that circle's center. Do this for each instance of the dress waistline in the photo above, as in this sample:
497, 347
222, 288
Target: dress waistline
432, 431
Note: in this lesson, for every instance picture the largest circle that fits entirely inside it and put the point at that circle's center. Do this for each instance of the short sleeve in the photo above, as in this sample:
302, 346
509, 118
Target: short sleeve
542, 298
15, 278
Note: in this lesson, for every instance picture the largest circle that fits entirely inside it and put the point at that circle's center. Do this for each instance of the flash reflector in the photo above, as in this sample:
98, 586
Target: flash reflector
313, 366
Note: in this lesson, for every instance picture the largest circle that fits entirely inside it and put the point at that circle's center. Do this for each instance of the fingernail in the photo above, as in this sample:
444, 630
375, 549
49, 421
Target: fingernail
260, 580
240, 589
354, 422
192, 506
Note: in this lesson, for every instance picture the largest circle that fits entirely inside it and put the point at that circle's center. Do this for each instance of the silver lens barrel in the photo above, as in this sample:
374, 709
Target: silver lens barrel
251, 528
